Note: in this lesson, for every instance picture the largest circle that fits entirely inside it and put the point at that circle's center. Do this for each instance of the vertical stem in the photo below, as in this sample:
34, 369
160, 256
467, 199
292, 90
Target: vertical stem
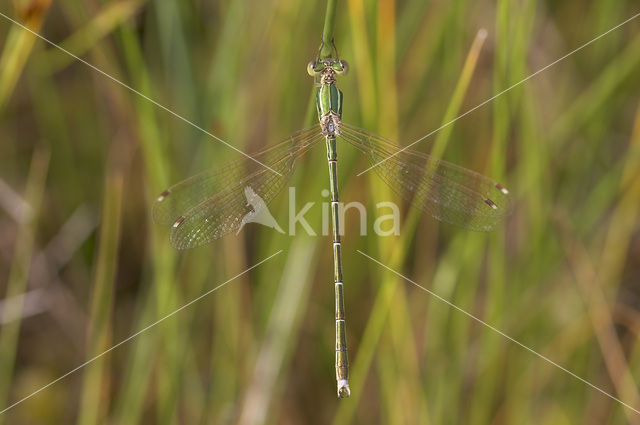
327, 32
96, 385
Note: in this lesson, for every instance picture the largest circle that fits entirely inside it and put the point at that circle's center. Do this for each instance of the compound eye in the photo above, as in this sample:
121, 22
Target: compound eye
311, 68
344, 68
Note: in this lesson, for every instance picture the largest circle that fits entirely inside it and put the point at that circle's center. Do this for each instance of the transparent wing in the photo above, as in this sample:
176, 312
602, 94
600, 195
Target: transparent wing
447, 192
212, 204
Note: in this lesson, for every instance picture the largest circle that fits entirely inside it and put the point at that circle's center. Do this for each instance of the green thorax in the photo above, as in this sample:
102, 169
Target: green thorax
329, 99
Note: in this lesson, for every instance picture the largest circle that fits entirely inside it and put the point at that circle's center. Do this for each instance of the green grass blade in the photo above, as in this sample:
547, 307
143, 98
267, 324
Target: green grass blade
19, 273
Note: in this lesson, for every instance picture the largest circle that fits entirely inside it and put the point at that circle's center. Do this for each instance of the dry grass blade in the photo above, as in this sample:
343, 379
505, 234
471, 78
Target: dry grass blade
18, 47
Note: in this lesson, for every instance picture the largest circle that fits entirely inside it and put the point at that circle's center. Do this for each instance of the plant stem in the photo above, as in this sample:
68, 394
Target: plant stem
327, 32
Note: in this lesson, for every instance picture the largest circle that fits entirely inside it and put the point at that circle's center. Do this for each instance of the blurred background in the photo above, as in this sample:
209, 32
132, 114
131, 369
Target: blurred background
83, 266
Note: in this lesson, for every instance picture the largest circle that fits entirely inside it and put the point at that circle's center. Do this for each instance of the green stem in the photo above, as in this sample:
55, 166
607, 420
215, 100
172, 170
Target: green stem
327, 32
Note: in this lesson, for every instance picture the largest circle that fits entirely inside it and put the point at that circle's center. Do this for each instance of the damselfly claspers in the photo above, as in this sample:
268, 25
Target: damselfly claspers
212, 204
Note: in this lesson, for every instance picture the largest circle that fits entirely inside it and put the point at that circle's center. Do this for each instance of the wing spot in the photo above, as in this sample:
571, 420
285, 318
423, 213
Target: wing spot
179, 221
491, 203
502, 189
164, 195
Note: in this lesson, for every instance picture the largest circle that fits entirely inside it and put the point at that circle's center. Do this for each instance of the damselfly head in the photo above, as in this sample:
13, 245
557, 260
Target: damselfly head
341, 67
311, 68
316, 67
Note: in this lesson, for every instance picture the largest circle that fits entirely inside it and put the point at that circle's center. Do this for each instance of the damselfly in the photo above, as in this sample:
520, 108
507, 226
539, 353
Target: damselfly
214, 203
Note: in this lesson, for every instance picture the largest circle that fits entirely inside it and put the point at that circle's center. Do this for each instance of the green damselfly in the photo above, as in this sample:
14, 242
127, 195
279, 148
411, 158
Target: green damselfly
212, 204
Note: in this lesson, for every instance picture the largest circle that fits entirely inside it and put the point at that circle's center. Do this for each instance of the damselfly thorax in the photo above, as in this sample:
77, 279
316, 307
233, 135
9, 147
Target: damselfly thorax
328, 96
